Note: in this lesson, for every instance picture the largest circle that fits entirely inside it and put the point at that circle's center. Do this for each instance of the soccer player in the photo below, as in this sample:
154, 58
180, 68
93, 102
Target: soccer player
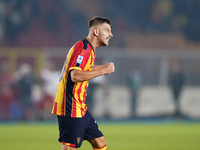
75, 121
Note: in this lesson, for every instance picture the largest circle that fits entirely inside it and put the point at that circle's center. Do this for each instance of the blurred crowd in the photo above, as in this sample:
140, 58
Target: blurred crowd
59, 23
24, 20
25, 98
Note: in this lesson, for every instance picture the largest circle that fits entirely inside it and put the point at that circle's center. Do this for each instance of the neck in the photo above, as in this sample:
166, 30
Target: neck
93, 41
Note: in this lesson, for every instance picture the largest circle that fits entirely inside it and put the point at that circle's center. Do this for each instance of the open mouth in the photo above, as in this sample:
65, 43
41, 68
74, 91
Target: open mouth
107, 39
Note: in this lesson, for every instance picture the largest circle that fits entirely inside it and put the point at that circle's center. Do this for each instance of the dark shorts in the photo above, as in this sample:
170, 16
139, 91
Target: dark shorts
74, 130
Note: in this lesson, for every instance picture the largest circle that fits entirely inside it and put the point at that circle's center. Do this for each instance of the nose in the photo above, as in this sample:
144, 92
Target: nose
111, 34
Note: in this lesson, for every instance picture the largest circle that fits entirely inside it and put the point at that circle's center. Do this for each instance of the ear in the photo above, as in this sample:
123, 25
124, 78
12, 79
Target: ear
96, 31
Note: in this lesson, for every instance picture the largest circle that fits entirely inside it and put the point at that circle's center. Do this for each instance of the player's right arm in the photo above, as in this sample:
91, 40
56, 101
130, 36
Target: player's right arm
80, 75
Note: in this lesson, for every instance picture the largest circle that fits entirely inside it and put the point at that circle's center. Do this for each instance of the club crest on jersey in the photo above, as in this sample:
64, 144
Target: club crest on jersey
79, 59
78, 140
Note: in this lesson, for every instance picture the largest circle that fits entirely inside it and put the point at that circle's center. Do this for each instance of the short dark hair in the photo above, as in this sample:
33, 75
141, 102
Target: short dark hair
98, 20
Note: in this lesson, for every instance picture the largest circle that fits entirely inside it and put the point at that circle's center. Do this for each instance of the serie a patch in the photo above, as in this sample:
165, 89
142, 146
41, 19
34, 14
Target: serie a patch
79, 60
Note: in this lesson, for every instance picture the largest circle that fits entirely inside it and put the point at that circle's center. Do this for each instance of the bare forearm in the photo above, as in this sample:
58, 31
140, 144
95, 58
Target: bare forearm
80, 76
97, 67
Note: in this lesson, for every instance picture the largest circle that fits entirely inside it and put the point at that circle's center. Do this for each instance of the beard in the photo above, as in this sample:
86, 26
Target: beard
104, 43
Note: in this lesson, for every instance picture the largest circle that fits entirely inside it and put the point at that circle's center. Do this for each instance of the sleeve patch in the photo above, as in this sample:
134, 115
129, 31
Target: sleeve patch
79, 60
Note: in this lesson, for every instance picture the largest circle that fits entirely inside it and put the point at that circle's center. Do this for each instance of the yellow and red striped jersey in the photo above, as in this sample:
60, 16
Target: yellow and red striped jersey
70, 96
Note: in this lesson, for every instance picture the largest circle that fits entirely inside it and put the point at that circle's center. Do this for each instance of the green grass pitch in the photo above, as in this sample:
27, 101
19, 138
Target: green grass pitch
119, 136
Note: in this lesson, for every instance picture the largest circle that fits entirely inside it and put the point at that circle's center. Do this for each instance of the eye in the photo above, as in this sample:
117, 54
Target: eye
108, 30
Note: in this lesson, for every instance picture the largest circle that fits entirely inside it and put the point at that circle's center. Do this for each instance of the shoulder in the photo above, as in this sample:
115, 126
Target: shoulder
83, 45
79, 44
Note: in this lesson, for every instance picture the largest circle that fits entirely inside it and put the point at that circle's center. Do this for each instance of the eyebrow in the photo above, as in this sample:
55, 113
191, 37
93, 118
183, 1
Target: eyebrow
108, 28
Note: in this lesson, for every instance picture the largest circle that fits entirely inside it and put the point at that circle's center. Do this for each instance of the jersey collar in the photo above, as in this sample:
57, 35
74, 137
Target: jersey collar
88, 41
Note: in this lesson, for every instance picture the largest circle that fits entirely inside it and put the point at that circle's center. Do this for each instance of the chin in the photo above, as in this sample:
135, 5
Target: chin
104, 44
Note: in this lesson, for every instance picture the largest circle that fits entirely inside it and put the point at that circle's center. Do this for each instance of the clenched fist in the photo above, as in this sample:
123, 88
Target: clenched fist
108, 68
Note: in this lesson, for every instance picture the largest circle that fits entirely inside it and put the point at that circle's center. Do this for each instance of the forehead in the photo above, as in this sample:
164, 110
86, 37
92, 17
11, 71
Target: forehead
105, 26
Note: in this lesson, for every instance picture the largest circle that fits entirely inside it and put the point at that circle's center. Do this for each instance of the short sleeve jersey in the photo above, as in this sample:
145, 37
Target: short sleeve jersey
70, 96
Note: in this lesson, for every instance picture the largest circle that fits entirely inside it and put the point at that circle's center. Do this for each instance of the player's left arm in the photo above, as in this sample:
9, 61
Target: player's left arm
97, 67
81, 75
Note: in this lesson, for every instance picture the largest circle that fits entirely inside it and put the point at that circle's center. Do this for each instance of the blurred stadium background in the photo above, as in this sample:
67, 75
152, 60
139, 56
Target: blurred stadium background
156, 50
